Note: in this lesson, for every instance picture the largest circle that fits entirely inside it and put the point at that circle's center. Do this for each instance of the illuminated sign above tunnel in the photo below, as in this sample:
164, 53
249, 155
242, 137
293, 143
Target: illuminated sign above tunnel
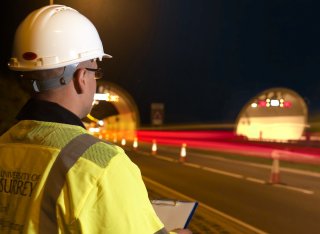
106, 97
271, 103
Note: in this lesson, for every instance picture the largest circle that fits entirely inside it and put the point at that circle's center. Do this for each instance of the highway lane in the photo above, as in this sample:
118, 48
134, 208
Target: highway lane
260, 173
270, 208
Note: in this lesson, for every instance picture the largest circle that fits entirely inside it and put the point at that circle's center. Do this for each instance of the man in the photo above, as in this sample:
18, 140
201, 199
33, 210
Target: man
55, 178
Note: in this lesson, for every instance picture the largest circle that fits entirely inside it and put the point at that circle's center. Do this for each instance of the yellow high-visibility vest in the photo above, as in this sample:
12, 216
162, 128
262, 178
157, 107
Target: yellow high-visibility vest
103, 191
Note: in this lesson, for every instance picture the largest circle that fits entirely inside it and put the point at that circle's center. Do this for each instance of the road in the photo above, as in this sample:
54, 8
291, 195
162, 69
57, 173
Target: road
239, 190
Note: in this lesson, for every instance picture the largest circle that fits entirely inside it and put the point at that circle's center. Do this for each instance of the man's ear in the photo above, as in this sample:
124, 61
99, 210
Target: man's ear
79, 80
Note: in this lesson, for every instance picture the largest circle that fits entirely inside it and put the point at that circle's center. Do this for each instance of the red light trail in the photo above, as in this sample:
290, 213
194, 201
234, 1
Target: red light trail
227, 141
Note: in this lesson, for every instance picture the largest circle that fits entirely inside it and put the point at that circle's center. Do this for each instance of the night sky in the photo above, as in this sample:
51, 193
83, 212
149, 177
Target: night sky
204, 59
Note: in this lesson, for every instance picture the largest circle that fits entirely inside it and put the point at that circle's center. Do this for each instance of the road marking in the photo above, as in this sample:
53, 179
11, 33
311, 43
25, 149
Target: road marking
310, 192
192, 165
255, 180
223, 172
164, 158
144, 153
234, 175
301, 172
286, 169
176, 193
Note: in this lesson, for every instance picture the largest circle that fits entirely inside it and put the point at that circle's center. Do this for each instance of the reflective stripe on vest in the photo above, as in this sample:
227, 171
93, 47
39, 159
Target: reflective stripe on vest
56, 179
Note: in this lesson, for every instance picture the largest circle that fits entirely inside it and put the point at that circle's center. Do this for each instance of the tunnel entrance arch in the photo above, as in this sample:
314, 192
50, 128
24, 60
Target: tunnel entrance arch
276, 114
114, 115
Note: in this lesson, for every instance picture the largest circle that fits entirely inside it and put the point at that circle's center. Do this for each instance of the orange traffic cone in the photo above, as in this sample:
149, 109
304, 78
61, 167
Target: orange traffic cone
183, 153
275, 169
115, 138
154, 147
135, 143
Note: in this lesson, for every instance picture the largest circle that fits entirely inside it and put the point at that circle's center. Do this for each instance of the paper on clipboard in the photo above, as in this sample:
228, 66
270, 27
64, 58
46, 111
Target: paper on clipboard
174, 214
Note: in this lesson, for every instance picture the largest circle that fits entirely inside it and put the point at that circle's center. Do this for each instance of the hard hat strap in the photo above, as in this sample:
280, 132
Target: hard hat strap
63, 79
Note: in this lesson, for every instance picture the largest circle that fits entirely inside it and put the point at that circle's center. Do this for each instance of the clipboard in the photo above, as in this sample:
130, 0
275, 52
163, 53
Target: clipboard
174, 214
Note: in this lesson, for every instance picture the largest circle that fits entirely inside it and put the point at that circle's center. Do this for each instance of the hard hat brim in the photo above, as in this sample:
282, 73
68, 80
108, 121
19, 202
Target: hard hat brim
106, 56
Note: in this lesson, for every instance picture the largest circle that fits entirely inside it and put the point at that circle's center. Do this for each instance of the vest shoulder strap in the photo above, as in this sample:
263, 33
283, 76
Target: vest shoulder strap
56, 179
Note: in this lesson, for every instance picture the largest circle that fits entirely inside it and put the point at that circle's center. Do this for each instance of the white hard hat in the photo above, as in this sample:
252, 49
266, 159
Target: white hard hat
54, 36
